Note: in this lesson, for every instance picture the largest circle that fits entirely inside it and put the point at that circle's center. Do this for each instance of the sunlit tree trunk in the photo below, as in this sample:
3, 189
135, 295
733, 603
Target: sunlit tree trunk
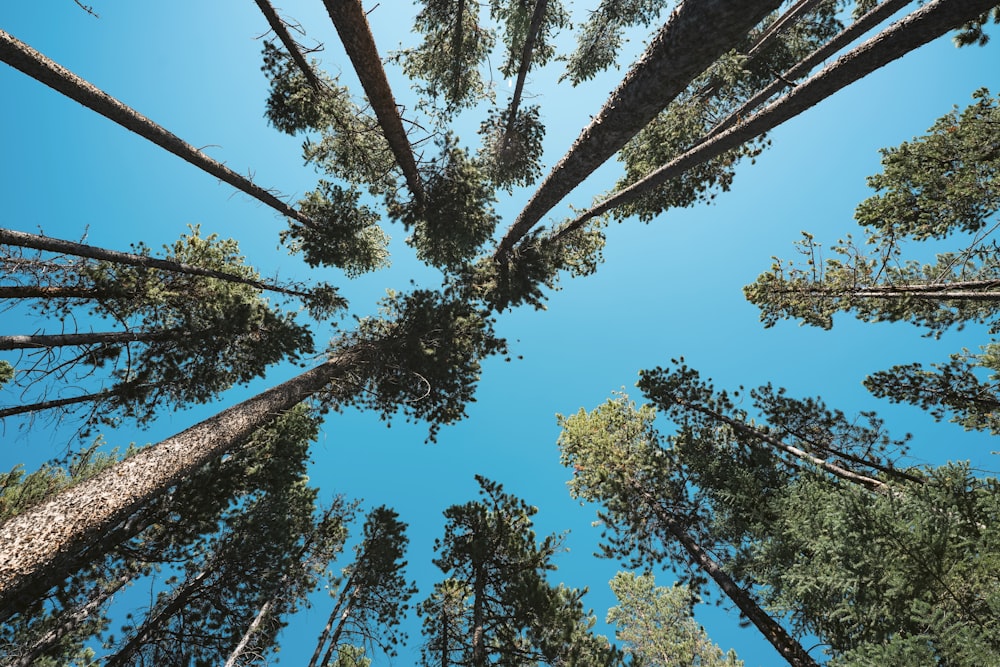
348, 17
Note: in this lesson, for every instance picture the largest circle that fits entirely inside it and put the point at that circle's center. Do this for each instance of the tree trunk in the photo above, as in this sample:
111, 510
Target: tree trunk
522, 72
786, 645
45, 538
38, 341
328, 628
20, 56
58, 403
695, 36
335, 637
47, 292
923, 25
349, 18
245, 639
177, 602
479, 657
281, 30
36, 242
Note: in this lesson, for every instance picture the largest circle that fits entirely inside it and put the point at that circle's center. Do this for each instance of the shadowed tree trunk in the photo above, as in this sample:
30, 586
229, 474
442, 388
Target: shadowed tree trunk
37, 242
22, 57
695, 36
100, 338
349, 18
45, 538
522, 72
923, 25
280, 29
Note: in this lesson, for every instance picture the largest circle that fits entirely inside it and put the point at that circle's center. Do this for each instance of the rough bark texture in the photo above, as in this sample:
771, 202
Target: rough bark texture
291, 46
48, 536
786, 645
923, 25
22, 57
695, 36
47, 292
349, 18
37, 242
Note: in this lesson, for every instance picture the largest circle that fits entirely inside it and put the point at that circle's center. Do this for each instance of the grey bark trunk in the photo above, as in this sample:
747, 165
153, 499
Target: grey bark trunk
785, 644
923, 25
58, 403
291, 46
22, 57
32, 342
695, 36
49, 535
349, 19
522, 72
36, 242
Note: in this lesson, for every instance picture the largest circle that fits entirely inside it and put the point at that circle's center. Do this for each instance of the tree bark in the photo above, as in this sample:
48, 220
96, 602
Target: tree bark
328, 628
47, 292
22, 57
281, 30
32, 342
695, 36
45, 538
785, 644
57, 403
349, 19
923, 25
37, 242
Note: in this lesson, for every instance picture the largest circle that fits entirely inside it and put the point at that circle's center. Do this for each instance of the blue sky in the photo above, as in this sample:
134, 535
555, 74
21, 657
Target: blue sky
666, 289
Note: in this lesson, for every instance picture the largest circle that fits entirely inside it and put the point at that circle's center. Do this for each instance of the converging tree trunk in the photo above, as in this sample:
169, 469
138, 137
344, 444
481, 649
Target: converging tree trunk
280, 29
22, 57
696, 35
47, 536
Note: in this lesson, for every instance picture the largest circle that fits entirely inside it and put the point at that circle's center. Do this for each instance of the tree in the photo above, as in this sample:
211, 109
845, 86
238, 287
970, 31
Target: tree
183, 338
495, 605
373, 596
655, 624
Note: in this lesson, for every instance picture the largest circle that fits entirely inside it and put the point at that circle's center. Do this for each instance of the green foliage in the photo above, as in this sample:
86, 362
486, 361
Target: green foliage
512, 152
515, 16
448, 59
600, 38
972, 32
956, 388
420, 357
656, 626
534, 264
943, 182
293, 105
6, 372
495, 606
455, 217
348, 235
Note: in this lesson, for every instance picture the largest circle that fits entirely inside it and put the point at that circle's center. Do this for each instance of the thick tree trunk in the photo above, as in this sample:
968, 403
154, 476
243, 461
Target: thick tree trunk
786, 645
348, 17
47, 292
36, 242
695, 36
48, 536
20, 56
34, 342
923, 25
291, 46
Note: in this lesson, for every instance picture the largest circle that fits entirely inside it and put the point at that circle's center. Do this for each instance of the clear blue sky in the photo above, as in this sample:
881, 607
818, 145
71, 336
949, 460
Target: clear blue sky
666, 289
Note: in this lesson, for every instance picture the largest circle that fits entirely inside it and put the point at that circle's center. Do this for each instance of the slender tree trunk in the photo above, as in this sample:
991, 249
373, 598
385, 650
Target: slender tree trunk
32, 342
70, 620
36, 242
786, 645
695, 36
923, 25
177, 602
20, 56
918, 292
348, 17
45, 538
479, 657
58, 403
865, 23
324, 636
522, 72
291, 46
335, 637
245, 639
